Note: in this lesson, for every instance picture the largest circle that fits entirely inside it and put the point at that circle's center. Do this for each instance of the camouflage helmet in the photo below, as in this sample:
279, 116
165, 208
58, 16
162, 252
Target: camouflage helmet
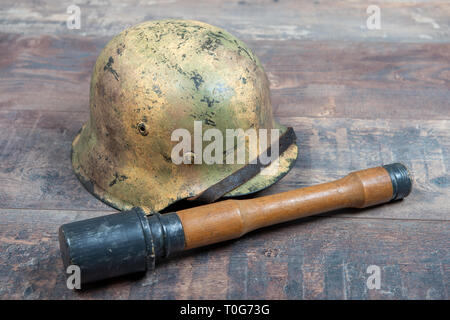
152, 79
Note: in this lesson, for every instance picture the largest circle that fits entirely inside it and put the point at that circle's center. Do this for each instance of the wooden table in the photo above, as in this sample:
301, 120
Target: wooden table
356, 97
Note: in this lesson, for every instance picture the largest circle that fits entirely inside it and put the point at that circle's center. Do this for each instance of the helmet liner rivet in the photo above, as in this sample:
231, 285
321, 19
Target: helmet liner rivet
142, 127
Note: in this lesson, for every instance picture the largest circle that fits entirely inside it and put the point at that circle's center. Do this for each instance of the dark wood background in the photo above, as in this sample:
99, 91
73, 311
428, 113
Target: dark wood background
357, 98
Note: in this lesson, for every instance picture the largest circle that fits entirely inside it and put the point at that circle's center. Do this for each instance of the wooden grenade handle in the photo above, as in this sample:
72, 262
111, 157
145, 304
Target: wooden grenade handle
231, 219
127, 242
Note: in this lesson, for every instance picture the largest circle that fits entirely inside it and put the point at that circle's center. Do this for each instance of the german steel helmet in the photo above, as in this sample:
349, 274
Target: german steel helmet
154, 78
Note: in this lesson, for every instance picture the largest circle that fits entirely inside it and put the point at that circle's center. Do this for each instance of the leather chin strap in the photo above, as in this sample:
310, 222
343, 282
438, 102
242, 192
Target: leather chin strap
245, 173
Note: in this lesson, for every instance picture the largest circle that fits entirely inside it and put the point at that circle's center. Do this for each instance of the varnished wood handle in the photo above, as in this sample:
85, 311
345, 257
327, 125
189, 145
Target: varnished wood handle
233, 218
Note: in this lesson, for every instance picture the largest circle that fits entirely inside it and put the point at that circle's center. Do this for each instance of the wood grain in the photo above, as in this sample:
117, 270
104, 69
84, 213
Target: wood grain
36, 172
356, 99
401, 21
322, 258
308, 78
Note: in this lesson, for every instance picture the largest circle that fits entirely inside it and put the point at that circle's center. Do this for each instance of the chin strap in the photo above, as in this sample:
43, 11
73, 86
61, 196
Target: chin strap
245, 173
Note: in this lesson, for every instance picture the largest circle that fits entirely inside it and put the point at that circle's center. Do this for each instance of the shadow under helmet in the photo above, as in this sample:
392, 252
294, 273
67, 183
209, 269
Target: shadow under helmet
154, 78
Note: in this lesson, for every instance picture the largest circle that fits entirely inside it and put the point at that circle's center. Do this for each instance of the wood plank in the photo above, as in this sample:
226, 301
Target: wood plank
46, 73
35, 161
317, 258
364, 98
36, 172
331, 148
317, 79
401, 21
358, 80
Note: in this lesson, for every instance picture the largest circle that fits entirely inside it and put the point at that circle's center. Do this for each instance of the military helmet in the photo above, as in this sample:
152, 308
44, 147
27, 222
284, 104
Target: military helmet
152, 79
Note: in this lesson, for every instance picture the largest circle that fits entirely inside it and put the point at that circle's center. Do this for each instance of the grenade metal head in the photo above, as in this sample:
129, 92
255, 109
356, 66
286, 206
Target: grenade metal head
120, 243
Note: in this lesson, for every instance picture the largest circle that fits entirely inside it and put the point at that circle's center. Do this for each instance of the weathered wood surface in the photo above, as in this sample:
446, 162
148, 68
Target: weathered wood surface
401, 21
371, 99
36, 172
45, 99
308, 78
316, 258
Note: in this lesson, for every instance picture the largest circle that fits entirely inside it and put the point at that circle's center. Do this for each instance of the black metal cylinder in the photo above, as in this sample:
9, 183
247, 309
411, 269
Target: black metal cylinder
120, 243
401, 180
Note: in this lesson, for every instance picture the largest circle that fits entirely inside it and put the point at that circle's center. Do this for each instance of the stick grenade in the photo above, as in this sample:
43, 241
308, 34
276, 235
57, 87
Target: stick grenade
130, 241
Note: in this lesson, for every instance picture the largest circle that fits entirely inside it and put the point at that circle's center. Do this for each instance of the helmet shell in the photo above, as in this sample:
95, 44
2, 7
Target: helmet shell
154, 78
